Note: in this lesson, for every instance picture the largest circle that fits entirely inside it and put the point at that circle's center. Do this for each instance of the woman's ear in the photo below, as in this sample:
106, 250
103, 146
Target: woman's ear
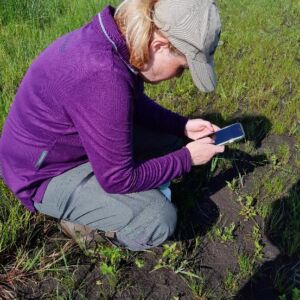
158, 44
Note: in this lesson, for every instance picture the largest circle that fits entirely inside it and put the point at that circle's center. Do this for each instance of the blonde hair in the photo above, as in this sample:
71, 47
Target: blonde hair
134, 20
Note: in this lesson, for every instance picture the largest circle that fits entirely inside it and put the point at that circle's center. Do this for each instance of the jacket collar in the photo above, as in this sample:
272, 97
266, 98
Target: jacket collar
112, 33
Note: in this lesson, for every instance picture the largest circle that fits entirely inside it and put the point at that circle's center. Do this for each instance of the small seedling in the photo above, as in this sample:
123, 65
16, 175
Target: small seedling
274, 160
139, 263
110, 262
246, 266
296, 294
225, 234
263, 210
233, 185
169, 257
199, 287
230, 282
248, 209
257, 242
172, 259
213, 166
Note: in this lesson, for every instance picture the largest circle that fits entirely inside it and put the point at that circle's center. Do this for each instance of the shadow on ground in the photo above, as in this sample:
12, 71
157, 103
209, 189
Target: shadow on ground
283, 230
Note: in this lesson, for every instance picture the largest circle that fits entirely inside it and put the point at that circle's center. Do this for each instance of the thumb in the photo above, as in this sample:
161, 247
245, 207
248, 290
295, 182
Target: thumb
219, 149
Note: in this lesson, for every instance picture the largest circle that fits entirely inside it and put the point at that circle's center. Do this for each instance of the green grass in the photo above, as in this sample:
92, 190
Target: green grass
257, 65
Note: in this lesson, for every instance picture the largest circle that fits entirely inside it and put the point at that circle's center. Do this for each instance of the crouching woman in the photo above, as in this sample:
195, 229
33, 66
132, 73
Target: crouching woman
84, 144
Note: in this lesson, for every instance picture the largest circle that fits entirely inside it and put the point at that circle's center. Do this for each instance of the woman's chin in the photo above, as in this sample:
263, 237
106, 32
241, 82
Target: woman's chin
151, 81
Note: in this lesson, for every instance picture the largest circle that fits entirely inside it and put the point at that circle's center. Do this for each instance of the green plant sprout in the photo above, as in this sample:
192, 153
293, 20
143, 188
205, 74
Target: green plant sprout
232, 185
246, 266
256, 235
230, 282
171, 259
295, 295
111, 258
226, 233
139, 263
248, 209
236, 183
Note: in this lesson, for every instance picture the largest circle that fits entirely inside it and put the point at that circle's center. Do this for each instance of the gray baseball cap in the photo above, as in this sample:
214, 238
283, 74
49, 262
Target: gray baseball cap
193, 27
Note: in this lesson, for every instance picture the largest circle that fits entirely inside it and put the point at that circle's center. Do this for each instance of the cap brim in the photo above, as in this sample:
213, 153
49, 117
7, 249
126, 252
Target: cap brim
203, 74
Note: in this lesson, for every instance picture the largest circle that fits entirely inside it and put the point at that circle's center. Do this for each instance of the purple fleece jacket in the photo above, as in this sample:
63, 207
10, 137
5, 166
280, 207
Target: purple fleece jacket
77, 103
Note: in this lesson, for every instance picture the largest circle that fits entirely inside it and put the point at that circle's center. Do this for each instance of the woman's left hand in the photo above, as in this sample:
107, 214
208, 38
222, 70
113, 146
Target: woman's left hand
198, 128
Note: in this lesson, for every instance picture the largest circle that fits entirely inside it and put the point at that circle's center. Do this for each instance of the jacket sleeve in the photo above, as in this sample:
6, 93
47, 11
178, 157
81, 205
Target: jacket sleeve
150, 114
102, 113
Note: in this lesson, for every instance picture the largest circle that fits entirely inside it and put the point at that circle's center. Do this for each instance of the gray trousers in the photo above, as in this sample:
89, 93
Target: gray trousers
141, 220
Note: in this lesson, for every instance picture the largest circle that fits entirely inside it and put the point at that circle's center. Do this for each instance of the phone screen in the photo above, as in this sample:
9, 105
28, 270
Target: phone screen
229, 134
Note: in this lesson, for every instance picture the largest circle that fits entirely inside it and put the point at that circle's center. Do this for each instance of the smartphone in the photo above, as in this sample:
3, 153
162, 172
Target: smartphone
229, 134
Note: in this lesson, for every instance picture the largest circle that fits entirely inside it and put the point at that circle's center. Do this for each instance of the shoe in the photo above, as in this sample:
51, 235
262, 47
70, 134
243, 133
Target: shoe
84, 235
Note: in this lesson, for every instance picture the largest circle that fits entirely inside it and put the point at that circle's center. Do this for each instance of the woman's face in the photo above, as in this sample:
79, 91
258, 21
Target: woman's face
163, 63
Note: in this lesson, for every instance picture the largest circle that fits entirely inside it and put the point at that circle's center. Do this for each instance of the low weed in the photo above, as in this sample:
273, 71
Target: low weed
232, 280
279, 157
263, 209
213, 166
295, 295
110, 260
258, 245
226, 233
199, 288
245, 265
230, 283
234, 184
275, 186
139, 263
248, 210
32, 265
173, 258
284, 153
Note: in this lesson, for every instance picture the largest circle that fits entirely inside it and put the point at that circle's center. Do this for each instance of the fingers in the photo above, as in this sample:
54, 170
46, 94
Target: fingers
206, 140
211, 126
215, 127
208, 125
204, 133
209, 140
204, 123
203, 150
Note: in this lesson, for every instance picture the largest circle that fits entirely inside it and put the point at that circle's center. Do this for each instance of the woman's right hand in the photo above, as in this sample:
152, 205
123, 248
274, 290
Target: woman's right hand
203, 150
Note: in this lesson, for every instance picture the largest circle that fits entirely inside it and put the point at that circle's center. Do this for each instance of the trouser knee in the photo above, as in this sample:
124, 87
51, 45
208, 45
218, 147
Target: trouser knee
151, 228
166, 223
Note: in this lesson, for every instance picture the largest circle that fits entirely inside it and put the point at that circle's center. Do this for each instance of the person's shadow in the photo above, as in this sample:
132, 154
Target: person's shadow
281, 275
197, 213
